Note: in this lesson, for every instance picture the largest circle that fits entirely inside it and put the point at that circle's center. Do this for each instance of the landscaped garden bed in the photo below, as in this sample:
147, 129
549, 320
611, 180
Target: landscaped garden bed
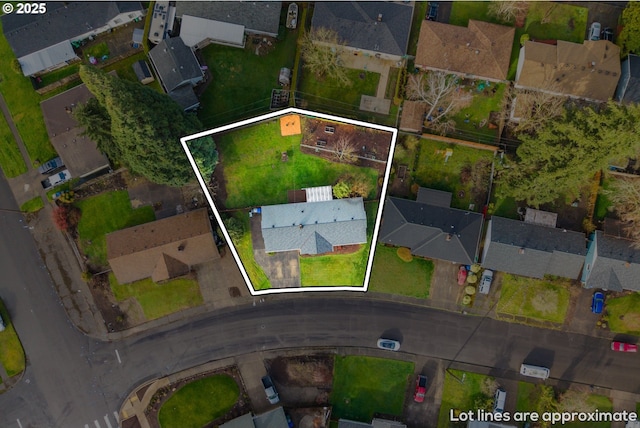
623, 313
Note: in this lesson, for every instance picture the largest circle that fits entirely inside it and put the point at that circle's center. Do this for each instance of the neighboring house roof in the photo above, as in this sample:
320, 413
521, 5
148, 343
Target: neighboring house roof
272, 419
533, 250
161, 249
375, 423
195, 30
244, 421
314, 227
481, 49
47, 58
257, 17
614, 264
64, 22
590, 70
413, 113
431, 231
628, 90
175, 63
438, 198
374, 26
79, 153
185, 98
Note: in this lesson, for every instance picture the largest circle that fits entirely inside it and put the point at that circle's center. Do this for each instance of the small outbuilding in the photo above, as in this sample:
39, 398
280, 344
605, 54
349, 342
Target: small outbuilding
143, 72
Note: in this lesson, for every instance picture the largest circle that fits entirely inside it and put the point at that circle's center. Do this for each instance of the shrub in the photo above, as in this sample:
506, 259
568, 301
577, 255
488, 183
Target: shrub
235, 228
405, 254
66, 217
341, 190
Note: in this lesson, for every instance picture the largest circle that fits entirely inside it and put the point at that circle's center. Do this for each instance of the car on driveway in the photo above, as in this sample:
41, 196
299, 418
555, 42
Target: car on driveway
485, 282
594, 31
462, 275
607, 34
388, 344
624, 347
432, 12
421, 389
270, 390
597, 302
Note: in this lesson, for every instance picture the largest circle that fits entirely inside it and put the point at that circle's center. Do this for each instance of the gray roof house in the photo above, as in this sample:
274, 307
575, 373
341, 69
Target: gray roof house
612, 263
274, 418
43, 41
379, 29
178, 70
314, 227
226, 22
431, 228
533, 250
375, 423
628, 90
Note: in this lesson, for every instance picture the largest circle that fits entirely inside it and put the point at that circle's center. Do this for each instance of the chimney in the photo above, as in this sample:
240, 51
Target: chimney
379, 17
521, 251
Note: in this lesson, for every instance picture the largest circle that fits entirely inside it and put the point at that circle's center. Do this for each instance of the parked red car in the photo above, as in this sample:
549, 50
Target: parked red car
462, 275
421, 389
624, 347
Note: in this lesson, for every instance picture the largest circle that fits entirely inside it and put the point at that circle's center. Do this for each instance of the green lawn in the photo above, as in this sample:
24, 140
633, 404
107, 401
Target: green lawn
24, 104
326, 94
244, 246
11, 353
158, 300
419, 12
252, 157
624, 314
562, 21
60, 73
32, 205
432, 171
459, 396
339, 269
388, 267
124, 69
463, 11
542, 300
479, 111
199, 403
97, 51
242, 81
103, 214
11, 160
363, 386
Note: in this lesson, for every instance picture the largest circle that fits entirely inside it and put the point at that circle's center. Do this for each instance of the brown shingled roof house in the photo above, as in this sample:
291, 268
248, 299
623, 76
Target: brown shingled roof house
590, 70
162, 249
481, 50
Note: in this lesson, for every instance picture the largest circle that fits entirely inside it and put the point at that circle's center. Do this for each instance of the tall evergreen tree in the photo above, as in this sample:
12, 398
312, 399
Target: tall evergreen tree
566, 153
146, 128
97, 126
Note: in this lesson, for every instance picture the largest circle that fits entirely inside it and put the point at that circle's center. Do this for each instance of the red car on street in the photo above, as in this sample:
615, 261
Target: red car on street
421, 389
624, 347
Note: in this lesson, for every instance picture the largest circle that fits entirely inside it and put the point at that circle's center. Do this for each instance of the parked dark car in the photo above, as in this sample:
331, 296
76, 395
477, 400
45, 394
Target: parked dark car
432, 12
607, 34
597, 302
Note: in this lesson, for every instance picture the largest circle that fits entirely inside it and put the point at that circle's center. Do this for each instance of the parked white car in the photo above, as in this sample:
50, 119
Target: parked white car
594, 31
485, 282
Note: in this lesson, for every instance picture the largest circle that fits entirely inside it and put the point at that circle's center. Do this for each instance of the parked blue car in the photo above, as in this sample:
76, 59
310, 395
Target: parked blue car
597, 302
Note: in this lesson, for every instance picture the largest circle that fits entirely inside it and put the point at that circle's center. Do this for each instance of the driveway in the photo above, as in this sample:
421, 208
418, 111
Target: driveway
283, 268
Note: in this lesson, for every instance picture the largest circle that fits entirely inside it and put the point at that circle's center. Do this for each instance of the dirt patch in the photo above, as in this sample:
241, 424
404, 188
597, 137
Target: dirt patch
114, 317
105, 183
312, 370
242, 406
341, 249
310, 417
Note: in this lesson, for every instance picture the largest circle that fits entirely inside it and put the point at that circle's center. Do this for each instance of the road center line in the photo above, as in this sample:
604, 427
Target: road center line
19, 424
118, 355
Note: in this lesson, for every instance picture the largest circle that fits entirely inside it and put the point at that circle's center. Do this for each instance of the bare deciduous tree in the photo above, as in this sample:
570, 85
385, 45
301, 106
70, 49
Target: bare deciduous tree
345, 150
321, 49
508, 11
574, 401
443, 96
532, 109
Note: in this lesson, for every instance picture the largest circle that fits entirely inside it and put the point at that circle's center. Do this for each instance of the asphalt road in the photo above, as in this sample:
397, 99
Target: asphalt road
73, 381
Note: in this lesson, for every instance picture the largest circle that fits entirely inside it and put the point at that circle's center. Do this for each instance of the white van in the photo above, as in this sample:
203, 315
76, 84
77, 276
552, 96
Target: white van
534, 371
498, 400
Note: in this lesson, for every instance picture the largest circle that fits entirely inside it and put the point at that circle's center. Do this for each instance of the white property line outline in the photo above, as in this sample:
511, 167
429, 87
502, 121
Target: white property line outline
312, 114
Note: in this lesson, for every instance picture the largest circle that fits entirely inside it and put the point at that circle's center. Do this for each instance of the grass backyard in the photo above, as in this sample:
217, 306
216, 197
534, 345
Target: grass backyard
326, 94
11, 352
200, 402
459, 396
624, 314
340, 269
158, 300
388, 267
103, 214
363, 386
469, 119
242, 81
465, 174
540, 300
252, 157
24, 104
